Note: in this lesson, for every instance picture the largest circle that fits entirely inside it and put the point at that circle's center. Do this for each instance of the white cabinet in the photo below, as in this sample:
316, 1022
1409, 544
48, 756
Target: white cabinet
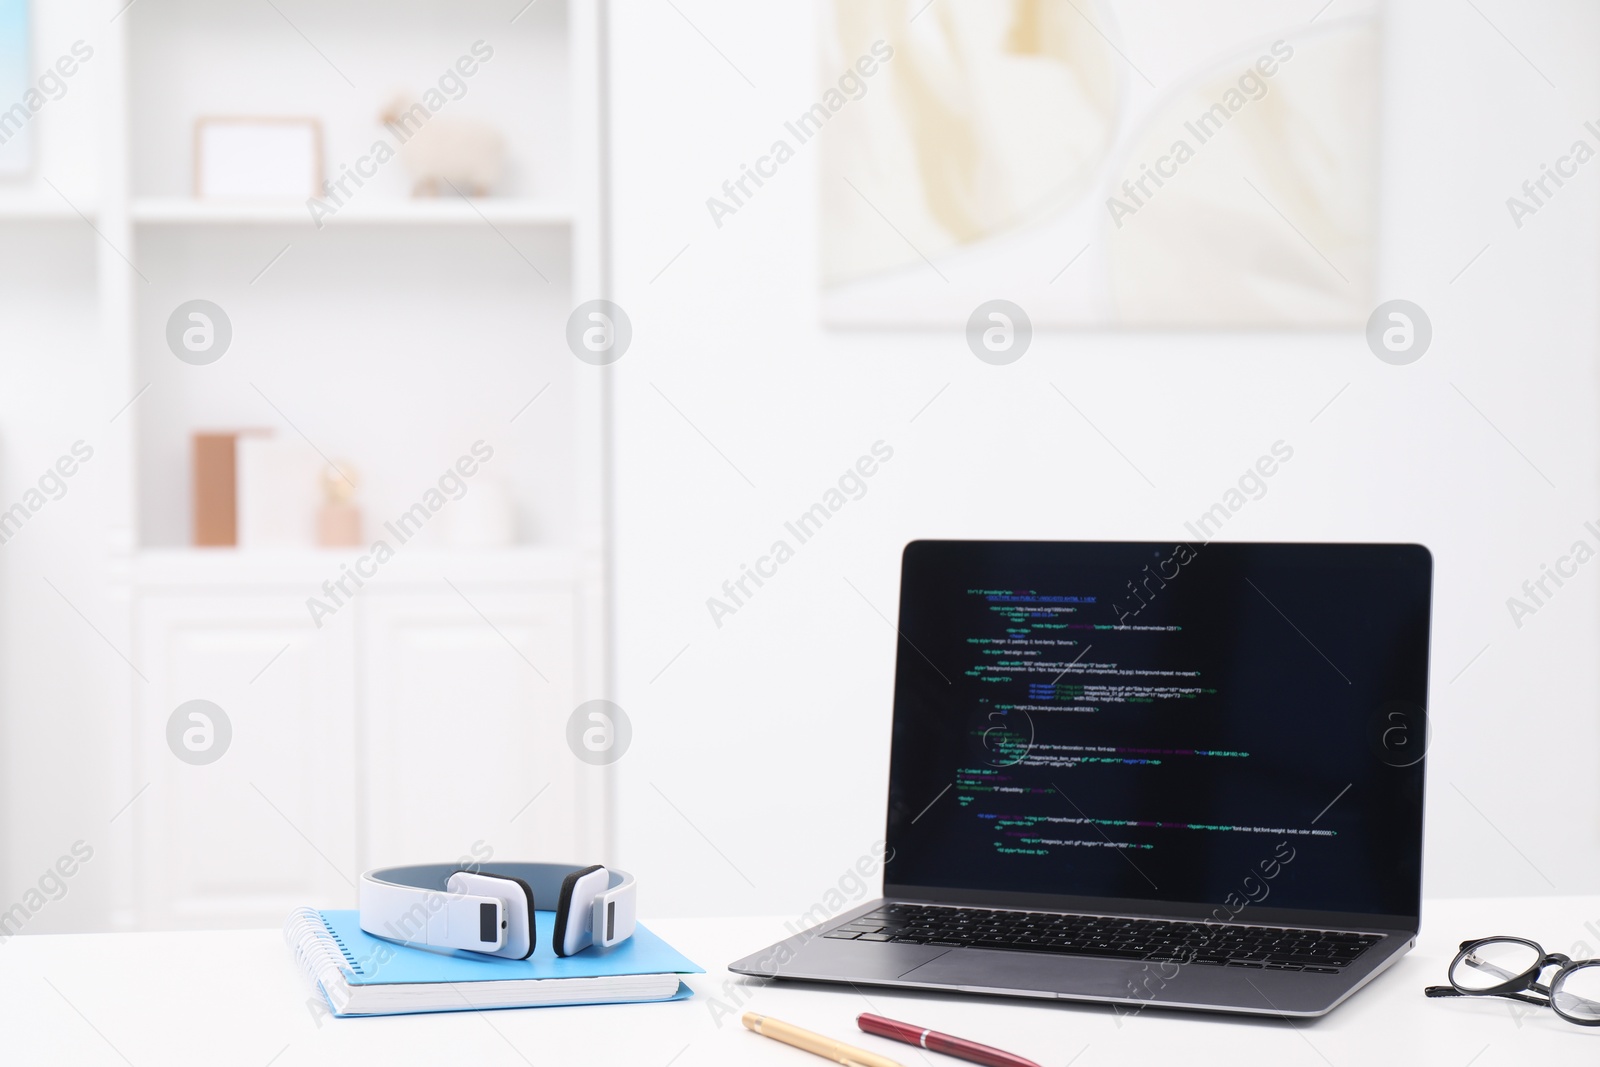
271, 823
424, 721
464, 721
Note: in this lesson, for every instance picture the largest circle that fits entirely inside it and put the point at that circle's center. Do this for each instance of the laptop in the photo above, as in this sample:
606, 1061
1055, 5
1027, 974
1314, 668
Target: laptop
1146, 774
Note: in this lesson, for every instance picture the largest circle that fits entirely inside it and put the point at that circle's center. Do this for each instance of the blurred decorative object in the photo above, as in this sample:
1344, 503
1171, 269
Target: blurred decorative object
16, 82
446, 155
280, 494
1013, 149
215, 505
483, 518
257, 158
339, 521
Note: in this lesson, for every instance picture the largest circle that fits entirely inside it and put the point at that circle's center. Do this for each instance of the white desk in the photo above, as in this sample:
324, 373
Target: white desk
235, 997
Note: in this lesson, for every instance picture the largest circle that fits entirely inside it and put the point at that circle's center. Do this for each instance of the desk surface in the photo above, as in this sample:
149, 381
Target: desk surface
235, 997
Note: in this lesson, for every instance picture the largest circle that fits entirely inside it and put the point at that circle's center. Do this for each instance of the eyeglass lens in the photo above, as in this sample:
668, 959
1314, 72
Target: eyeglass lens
1492, 963
1576, 993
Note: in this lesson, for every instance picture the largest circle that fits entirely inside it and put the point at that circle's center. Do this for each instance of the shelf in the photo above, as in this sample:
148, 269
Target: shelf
182, 211
215, 569
27, 207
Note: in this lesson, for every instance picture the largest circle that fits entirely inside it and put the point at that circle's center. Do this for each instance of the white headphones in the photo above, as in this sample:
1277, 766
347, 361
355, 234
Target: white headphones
490, 909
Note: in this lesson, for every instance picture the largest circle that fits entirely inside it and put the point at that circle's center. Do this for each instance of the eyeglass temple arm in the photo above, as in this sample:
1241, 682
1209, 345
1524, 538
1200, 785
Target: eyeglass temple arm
1484, 965
1449, 991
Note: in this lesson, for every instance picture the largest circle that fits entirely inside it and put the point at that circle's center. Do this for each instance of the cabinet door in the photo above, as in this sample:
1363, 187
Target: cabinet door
271, 824
466, 696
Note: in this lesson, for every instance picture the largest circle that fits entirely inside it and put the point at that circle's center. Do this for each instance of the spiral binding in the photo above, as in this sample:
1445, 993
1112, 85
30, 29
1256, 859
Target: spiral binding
320, 953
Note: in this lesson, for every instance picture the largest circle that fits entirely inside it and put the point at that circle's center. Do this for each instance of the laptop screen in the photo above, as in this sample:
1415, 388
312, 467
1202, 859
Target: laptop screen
1209, 724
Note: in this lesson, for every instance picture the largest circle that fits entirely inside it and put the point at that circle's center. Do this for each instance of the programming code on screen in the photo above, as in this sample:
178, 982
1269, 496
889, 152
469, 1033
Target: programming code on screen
1104, 721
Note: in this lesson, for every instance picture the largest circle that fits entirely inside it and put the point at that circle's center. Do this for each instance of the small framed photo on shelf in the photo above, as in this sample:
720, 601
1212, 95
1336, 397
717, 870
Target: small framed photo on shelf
257, 158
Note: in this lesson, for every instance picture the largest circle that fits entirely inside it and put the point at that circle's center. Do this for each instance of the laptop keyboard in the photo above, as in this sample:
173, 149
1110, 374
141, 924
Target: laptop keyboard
1261, 947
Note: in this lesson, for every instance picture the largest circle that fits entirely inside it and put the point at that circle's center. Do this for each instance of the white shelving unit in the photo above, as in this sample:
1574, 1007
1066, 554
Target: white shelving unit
392, 338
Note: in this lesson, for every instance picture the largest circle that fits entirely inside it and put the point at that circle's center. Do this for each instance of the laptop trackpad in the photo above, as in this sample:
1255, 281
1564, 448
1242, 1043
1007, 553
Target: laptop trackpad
832, 960
1029, 972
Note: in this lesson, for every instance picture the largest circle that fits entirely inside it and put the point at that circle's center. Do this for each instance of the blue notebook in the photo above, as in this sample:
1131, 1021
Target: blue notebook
359, 974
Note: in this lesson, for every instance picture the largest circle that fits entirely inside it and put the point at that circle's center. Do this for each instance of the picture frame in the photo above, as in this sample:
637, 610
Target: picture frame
257, 157
1032, 185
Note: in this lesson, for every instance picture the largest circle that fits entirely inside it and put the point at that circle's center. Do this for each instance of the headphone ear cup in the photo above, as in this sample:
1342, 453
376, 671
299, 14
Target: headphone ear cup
533, 928
564, 907
516, 908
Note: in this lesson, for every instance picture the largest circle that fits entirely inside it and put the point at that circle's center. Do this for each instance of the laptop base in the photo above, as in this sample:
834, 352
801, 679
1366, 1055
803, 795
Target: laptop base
1126, 985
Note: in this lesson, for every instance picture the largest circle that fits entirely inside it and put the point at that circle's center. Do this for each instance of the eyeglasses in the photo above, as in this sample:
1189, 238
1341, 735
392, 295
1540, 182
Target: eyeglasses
1510, 967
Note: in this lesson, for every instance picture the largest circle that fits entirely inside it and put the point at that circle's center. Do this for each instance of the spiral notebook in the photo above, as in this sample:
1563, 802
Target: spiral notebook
359, 974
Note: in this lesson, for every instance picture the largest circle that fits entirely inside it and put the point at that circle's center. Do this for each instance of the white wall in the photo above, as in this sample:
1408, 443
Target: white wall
761, 748
769, 735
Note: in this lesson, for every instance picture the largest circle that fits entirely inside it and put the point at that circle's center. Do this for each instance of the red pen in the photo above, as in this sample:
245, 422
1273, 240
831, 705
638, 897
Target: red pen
934, 1041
